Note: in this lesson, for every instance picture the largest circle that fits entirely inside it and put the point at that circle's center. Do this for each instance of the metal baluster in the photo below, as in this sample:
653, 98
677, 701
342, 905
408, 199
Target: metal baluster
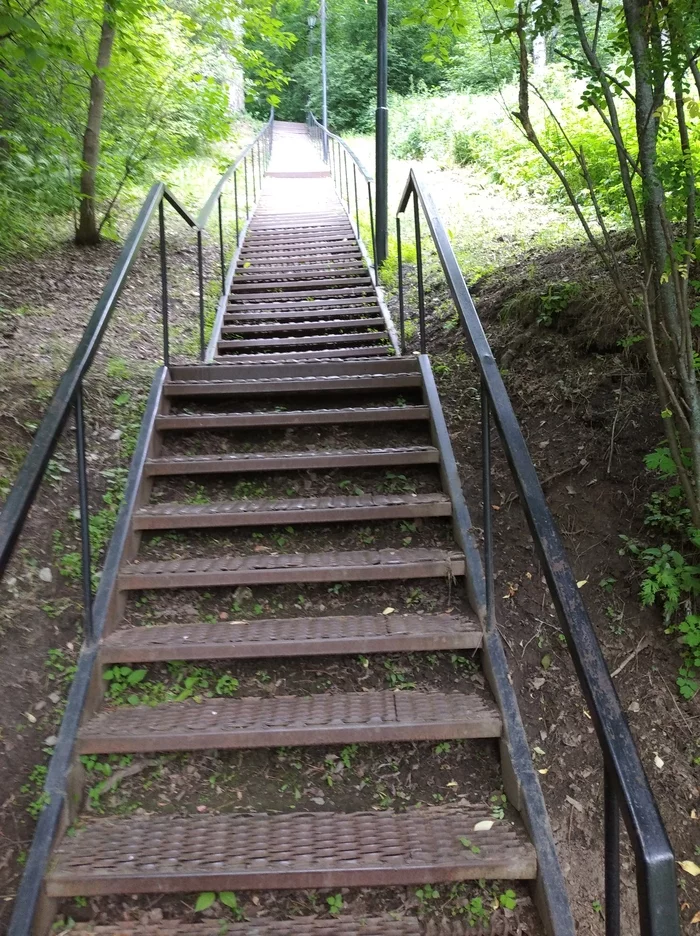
245, 175
419, 274
486, 494
371, 224
164, 285
252, 161
402, 327
357, 208
347, 187
235, 199
221, 247
200, 270
612, 855
85, 550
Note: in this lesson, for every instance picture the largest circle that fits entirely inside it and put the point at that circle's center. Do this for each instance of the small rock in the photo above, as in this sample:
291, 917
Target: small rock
633, 707
54, 697
45, 574
319, 800
115, 436
51, 740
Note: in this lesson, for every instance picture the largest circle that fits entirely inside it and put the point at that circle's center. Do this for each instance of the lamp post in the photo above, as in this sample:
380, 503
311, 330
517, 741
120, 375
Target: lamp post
382, 135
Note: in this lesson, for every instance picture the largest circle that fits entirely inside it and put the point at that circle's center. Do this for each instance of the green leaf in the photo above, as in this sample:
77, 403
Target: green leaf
204, 901
136, 676
229, 899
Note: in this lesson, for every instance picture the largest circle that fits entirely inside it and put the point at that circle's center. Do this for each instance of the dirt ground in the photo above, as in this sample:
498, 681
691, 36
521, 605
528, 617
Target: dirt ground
586, 410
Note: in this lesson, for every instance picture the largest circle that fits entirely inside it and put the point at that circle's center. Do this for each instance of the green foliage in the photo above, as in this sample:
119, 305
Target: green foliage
129, 686
335, 904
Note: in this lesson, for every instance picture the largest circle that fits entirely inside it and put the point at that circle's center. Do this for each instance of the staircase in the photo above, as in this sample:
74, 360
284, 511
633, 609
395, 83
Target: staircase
321, 469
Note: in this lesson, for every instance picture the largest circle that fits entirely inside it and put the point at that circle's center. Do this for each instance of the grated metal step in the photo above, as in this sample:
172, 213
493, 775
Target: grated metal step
393, 925
171, 854
256, 386
303, 341
292, 461
355, 566
267, 511
303, 325
287, 637
357, 414
290, 721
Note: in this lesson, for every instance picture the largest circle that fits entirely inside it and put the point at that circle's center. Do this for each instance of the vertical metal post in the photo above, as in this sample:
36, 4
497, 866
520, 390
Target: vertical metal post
200, 274
486, 496
235, 199
611, 815
347, 187
382, 134
221, 247
85, 550
245, 177
371, 225
402, 327
419, 274
357, 206
164, 284
252, 166
324, 80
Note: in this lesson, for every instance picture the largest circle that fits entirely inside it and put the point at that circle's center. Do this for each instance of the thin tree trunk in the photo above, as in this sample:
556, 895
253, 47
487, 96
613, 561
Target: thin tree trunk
88, 231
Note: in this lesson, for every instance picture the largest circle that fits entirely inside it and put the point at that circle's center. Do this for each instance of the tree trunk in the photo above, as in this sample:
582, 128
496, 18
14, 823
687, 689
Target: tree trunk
88, 230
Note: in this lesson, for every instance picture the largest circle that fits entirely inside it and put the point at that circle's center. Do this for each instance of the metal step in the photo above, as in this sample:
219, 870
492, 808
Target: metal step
270, 512
292, 637
304, 340
315, 311
345, 925
355, 566
358, 414
290, 721
291, 461
360, 383
290, 284
331, 292
289, 303
373, 352
303, 326
334, 369
171, 854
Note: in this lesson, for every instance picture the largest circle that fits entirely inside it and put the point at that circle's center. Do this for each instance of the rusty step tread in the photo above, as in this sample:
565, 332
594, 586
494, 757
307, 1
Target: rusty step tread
394, 365
295, 265
303, 325
310, 384
313, 312
289, 304
376, 352
303, 340
334, 281
356, 292
292, 461
299, 926
284, 637
350, 414
337, 566
268, 511
171, 854
377, 717
289, 278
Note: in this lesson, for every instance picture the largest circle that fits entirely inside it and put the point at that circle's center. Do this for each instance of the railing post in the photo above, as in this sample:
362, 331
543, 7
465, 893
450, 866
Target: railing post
347, 186
419, 274
200, 278
357, 205
84, 507
235, 199
611, 813
486, 498
245, 179
221, 247
252, 166
402, 326
371, 225
164, 284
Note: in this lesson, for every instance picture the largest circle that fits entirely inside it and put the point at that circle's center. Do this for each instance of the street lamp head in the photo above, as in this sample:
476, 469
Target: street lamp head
311, 21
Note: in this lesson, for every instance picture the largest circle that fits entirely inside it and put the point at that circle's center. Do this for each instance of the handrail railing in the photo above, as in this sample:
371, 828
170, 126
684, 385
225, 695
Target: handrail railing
68, 397
626, 787
317, 132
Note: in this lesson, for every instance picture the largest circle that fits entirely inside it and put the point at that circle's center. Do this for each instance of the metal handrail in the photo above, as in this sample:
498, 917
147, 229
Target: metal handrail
69, 397
627, 788
318, 132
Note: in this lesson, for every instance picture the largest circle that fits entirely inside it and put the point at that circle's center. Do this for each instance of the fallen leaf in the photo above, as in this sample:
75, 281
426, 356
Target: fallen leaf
538, 682
484, 825
658, 762
453, 784
538, 750
388, 610
582, 583
575, 803
693, 814
45, 574
31, 718
633, 707
546, 661
543, 770
696, 918
690, 867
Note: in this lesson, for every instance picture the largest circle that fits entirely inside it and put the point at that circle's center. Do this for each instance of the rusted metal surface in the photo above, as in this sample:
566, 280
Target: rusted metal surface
303, 326
303, 341
290, 721
264, 512
292, 461
248, 387
290, 303
232, 370
313, 312
170, 854
373, 352
352, 566
285, 637
299, 926
249, 296
316, 417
